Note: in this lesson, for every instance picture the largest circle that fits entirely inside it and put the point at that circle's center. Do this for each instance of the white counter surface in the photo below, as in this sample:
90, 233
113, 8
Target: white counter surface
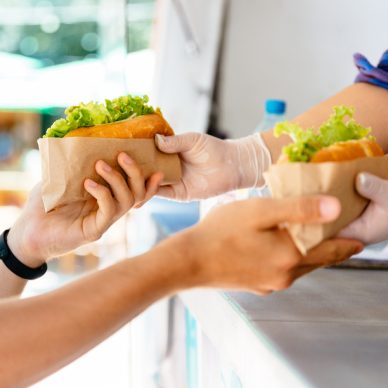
329, 330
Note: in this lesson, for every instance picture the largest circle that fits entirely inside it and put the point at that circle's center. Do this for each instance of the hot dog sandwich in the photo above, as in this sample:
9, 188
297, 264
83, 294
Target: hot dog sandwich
122, 118
336, 140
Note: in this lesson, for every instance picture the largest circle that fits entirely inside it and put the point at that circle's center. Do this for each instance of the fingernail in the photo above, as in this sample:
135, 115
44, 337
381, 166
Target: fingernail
126, 159
91, 183
105, 166
363, 181
329, 207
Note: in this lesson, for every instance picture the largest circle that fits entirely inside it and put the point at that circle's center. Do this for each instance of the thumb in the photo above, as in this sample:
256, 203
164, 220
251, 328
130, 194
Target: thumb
372, 187
175, 144
35, 196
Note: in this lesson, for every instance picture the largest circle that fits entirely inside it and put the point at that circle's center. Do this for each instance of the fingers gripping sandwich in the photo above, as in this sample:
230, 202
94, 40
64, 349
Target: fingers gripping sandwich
127, 117
336, 140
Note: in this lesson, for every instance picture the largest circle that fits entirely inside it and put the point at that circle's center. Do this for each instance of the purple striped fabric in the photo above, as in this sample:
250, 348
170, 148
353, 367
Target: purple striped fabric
373, 75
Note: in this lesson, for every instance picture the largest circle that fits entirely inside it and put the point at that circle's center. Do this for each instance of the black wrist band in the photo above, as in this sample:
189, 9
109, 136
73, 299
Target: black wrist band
15, 265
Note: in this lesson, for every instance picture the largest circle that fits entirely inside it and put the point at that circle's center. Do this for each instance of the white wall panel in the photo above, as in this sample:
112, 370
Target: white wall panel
299, 50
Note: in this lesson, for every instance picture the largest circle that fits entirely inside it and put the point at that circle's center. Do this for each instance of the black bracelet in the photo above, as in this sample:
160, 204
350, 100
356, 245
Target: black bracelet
15, 265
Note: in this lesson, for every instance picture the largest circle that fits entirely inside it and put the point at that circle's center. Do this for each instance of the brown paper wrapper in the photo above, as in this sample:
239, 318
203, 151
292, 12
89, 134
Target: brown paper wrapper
332, 178
67, 162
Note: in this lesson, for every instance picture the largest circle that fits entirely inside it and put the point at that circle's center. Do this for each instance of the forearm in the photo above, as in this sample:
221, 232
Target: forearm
370, 103
41, 334
10, 284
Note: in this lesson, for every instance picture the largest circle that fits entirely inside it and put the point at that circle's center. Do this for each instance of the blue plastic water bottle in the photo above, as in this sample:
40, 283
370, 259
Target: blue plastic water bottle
275, 111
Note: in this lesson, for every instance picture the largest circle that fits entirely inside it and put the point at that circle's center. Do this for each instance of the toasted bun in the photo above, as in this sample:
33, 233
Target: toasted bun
348, 150
141, 127
343, 151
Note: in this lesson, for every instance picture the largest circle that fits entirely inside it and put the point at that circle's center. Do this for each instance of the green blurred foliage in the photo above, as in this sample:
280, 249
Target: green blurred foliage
139, 30
65, 44
139, 34
62, 46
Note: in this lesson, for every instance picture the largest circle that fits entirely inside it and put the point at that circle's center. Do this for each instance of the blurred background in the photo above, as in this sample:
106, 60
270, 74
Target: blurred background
210, 65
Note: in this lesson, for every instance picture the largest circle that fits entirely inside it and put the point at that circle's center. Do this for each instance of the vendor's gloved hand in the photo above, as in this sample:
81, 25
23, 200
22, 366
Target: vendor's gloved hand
372, 226
211, 166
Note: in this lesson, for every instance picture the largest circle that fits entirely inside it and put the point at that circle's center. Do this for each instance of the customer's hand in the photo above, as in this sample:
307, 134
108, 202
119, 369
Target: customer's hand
212, 166
372, 226
243, 246
38, 236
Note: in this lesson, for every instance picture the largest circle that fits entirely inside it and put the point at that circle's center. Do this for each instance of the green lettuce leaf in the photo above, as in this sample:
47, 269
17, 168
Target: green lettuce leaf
93, 113
308, 141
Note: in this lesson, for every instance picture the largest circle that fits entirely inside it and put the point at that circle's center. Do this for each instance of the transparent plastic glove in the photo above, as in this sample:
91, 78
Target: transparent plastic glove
372, 226
211, 166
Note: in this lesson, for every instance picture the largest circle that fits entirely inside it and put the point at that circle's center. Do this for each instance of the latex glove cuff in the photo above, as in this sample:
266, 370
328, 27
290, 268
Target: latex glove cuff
253, 158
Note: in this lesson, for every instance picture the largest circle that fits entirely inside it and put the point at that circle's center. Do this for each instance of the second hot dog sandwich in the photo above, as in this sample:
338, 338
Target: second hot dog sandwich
336, 140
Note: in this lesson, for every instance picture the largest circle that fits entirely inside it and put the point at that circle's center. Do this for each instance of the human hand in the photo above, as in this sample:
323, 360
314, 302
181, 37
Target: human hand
242, 245
212, 166
38, 236
372, 226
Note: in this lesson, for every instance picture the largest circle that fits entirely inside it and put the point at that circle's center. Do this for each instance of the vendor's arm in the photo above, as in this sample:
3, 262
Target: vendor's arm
212, 166
368, 96
38, 236
238, 246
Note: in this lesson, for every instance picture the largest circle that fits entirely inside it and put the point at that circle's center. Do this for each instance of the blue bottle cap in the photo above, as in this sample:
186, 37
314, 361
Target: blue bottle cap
275, 106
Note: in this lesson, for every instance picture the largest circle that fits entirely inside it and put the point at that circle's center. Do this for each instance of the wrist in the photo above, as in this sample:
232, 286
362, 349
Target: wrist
23, 249
252, 160
178, 260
